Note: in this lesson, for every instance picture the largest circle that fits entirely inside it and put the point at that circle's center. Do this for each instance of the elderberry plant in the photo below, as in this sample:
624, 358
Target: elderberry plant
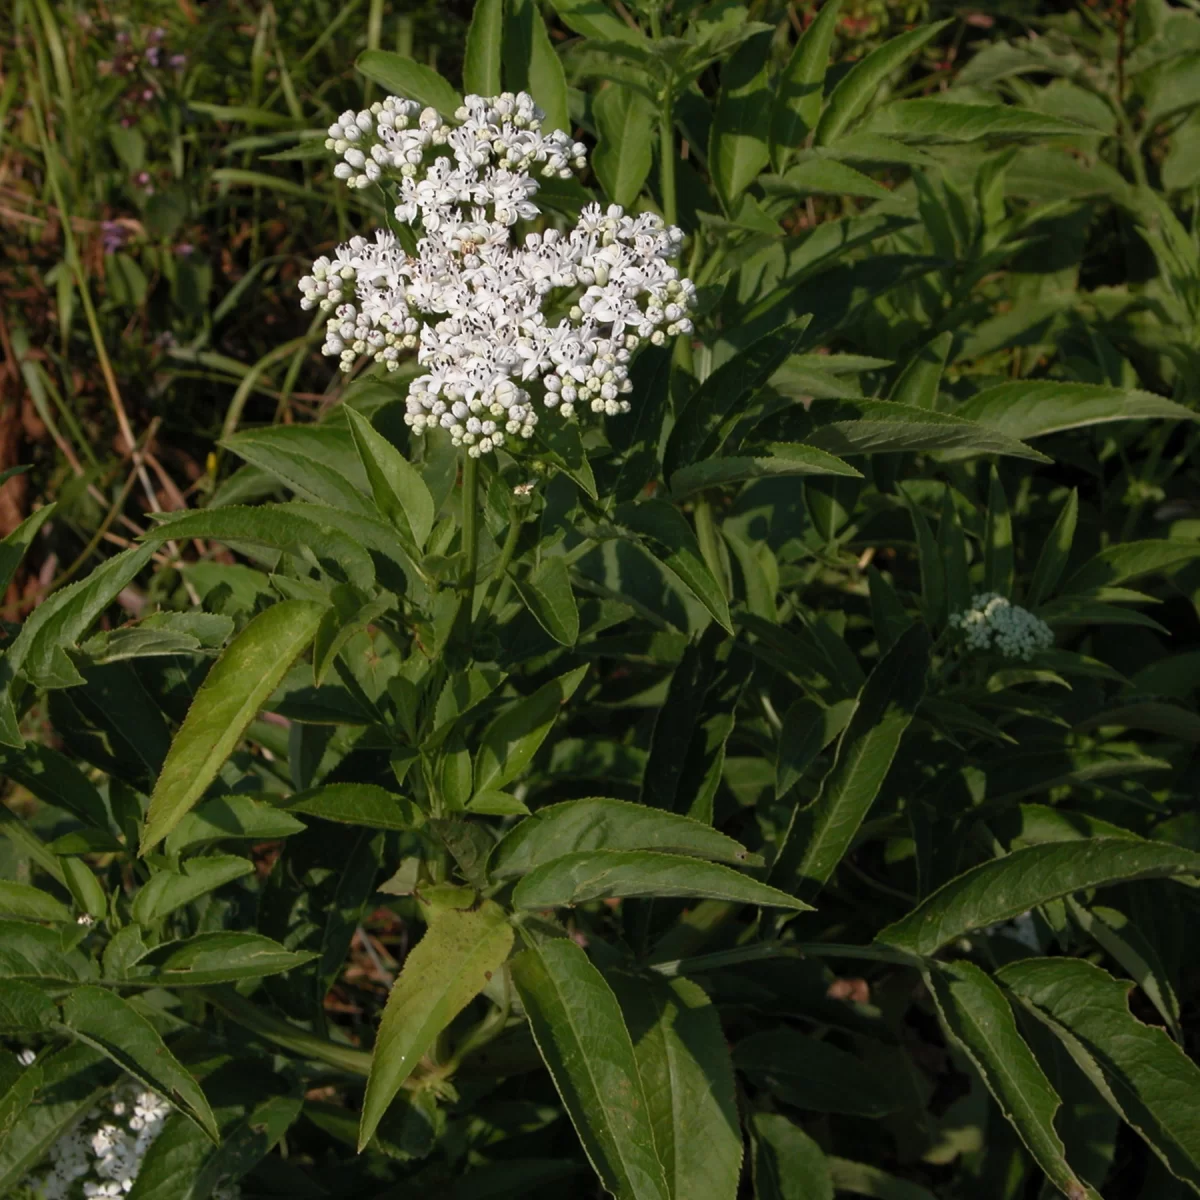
778, 788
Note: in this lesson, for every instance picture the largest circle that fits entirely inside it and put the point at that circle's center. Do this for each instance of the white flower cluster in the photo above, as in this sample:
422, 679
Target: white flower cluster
994, 623
102, 1155
471, 300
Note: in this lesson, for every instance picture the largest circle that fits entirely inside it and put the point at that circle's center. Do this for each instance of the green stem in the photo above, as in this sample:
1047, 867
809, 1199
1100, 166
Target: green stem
470, 543
498, 581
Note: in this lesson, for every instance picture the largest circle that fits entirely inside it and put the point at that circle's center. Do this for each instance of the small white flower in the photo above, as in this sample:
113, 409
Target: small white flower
471, 299
995, 623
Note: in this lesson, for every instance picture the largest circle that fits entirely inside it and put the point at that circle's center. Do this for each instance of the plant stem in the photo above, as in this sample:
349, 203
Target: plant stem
470, 543
498, 579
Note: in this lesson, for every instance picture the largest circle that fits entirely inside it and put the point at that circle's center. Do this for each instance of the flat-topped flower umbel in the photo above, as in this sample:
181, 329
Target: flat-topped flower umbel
470, 301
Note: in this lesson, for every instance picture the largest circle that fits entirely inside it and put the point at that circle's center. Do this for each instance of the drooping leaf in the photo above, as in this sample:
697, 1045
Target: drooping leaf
671, 540
404, 77
548, 596
447, 968
885, 427
318, 463
101, 1019
583, 1039
595, 874
977, 1016
1119, 564
286, 527
820, 834
229, 699
687, 1077
601, 824
1144, 1075
1006, 887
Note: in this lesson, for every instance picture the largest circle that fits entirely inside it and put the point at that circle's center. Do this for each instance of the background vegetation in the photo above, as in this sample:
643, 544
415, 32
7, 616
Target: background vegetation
948, 344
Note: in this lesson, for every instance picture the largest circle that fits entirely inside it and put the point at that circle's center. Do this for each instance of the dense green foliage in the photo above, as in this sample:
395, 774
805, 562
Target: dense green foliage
638, 812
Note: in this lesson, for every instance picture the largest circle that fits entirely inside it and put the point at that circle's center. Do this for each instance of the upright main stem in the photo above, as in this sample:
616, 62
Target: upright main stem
470, 542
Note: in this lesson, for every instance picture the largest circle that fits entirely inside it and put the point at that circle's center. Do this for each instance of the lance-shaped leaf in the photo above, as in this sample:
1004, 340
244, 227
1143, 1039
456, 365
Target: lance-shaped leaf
578, 1027
222, 957
860, 85
548, 596
737, 144
353, 804
481, 61
697, 431
602, 824
667, 535
1036, 407
1144, 1075
400, 492
513, 738
977, 1016
446, 970
30, 903
774, 459
820, 834
102, 1020
402, 76
687, 1076
1130, 560
798, 94
234, 690
935, 121
168, 890
1006, 887
292, 528
1056, 549
788, 1164
623, 155
596, 874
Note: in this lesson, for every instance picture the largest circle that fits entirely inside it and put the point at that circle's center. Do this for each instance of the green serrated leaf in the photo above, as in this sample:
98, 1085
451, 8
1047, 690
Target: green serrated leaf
229, 699
1006, 887
445, 971
102, 1020
595, 874
601, 824
583, 1039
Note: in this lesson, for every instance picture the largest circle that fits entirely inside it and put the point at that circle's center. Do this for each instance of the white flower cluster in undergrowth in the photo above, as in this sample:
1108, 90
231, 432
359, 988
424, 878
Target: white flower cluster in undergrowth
473, 299
102, 1154
995, 623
